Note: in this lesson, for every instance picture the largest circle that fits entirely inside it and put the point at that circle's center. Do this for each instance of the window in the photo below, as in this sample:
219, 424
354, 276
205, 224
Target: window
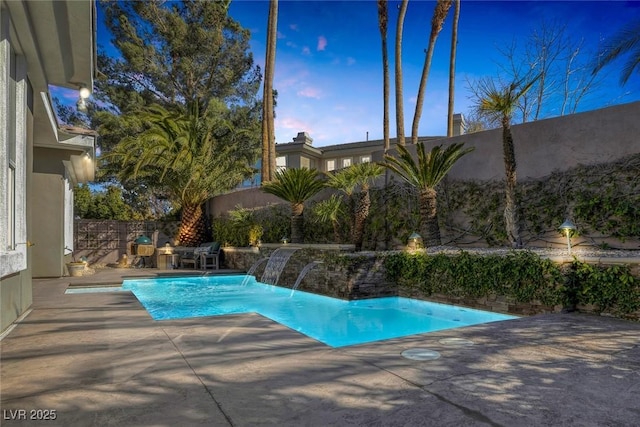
365, 159
11, 152
14, 99
331, 165
281, 163
346, 163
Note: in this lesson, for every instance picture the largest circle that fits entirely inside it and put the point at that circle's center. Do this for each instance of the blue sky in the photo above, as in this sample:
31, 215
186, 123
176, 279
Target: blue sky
328, 58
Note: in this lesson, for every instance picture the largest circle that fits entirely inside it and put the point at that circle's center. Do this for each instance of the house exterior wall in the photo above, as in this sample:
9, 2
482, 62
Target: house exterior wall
15, 152
48, 200
42, 43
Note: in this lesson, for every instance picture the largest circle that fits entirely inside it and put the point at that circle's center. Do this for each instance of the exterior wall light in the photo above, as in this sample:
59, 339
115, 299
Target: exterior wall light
415, 242
568, 228
84, 92
81, 105
284, 240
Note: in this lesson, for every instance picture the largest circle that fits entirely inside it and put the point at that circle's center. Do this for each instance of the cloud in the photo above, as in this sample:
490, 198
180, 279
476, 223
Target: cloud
288, 127
351, 61
281, 36
291, 44
294, 27
306, 50
322, 43
310, 92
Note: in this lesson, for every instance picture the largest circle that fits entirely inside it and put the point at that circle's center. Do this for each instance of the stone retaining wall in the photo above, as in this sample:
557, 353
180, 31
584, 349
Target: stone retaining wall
363, 276
495, 303
347, 275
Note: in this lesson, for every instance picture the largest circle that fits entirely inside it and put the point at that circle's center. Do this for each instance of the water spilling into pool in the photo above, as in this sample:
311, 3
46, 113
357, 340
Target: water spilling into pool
332, 321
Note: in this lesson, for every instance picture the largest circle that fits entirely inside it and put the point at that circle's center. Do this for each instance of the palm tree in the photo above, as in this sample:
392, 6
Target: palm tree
452, 66
268, 127
626, 41
439, 15
425, 175
190, 156
383, 19
329, 210
295, 186
399, 99
358, 176
498, 104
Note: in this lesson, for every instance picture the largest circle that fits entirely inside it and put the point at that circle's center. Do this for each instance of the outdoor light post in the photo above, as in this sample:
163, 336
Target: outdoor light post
568, 228
415, 241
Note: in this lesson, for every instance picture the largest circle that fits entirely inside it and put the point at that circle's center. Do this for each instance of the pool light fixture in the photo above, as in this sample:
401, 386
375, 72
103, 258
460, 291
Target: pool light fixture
568, 228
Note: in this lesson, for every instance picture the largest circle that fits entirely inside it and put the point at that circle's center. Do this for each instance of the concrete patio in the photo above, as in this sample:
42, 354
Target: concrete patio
99, 359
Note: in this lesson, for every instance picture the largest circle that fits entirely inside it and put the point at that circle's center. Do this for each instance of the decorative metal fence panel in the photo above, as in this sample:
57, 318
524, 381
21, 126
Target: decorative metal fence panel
106, 240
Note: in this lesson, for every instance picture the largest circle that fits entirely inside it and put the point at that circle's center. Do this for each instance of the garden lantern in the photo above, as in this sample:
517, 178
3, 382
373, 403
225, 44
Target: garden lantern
568, 228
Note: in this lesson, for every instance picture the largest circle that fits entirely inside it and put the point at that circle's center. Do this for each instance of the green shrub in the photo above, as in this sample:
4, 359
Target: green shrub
609, 288
522, 275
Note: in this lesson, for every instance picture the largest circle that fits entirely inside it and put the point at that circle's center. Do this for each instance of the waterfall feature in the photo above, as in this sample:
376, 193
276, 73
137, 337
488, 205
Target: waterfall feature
252, 270
303, 273
277, 261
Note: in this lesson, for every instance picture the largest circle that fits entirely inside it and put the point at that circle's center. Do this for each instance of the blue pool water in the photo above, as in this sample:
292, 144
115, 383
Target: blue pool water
332, 321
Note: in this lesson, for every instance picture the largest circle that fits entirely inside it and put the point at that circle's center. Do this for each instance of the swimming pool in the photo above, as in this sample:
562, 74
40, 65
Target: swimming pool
332, 321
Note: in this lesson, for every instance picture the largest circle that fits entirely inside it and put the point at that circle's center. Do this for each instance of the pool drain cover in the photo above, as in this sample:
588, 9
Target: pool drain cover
420, 354
456, 342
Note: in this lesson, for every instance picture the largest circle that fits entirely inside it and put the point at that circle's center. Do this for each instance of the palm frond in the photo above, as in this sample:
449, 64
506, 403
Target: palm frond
294, 185
430, 167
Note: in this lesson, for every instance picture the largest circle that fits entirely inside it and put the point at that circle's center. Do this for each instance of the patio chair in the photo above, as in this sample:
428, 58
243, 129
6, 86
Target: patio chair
193, 258
211, 259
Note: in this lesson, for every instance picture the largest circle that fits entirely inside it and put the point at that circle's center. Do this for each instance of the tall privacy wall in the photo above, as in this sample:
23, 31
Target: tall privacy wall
546, 146
541, 147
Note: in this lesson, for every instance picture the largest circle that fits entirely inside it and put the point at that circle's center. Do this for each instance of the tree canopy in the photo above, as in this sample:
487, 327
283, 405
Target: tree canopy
179, 62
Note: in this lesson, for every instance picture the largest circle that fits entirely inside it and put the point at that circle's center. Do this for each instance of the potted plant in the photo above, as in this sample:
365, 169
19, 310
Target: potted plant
255, 234
75, 268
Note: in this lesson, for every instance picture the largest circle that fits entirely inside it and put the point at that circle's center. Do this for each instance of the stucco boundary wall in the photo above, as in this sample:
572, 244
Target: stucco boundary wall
362, 275
549, 145
541, 147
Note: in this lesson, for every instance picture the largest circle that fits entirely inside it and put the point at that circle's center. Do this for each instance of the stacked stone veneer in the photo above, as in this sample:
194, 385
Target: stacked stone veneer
355, 276
496, 303
362, 275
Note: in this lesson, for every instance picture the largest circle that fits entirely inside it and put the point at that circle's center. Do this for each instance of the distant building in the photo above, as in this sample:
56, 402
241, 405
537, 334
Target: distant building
300, 153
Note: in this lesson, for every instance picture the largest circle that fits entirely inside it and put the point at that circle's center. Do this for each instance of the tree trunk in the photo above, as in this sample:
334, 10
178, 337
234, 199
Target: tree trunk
383, 19
297, 223
439, 15
192, 227
363, 205
511, 220
429, 228
452, 67
268, 127
399, 99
